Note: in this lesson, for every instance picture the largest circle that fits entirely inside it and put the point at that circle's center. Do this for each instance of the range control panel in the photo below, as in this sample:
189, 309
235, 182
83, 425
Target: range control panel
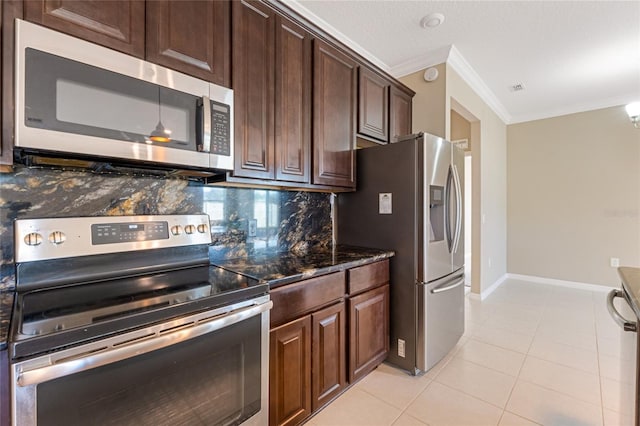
41, 239
108, 233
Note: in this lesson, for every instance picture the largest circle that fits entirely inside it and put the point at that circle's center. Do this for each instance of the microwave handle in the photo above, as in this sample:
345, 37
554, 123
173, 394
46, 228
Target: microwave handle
204, 127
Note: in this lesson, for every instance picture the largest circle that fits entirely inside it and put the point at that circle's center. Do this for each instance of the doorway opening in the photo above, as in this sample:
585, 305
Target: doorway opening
465, 132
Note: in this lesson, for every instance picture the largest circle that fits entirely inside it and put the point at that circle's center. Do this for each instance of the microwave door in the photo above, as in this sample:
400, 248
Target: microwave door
76, 97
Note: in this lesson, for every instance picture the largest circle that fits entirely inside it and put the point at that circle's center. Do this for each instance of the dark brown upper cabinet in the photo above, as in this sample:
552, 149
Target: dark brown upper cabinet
373, 105
334, 116
192, 37
118, 25
293, 102
400, 115
252, 64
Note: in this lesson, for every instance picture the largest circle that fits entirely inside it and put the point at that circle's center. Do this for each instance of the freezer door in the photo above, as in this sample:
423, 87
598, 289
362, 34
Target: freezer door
456, 210
436, 171
443, 301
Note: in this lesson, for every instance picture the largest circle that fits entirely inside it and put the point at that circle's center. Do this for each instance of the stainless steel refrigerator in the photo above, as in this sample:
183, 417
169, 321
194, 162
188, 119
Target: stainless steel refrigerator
409, 199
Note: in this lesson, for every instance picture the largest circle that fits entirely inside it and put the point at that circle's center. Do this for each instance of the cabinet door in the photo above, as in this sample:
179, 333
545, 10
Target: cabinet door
373, 105
115, 24
368, 331
334, 116
400, 106
290, 372
190, 36
252, 68
328, 359
293, 102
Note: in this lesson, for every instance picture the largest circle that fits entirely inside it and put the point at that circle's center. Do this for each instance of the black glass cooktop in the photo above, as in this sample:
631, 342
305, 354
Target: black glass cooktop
55, 317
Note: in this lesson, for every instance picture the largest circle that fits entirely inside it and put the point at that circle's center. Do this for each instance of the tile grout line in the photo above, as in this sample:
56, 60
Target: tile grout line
518, 378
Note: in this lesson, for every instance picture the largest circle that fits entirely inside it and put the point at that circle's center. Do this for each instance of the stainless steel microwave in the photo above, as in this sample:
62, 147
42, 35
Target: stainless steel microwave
77, 98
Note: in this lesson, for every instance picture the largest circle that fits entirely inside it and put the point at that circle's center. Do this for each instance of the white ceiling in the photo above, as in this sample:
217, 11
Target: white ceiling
571, 56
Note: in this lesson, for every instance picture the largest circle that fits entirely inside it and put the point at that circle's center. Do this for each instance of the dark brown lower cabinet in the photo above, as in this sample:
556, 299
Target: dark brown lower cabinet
368, 331
328, 372
327, 332
290, 372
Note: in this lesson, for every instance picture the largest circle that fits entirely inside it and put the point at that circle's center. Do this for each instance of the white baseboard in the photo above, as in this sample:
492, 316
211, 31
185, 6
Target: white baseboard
484, 294
561, 283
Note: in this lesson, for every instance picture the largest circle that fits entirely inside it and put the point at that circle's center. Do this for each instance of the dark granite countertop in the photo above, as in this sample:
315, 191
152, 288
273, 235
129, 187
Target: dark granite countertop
275, 268
631, 283
285, 268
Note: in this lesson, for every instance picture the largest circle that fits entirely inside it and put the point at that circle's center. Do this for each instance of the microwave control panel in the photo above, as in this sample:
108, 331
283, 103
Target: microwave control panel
220, 129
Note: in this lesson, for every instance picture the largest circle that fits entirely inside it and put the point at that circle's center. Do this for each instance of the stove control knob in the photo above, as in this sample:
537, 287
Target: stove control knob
57, 237
202, 228
33, 239
176, 230
189, 229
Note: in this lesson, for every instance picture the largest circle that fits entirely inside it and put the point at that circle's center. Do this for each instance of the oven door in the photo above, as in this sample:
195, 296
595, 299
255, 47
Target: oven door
206, 369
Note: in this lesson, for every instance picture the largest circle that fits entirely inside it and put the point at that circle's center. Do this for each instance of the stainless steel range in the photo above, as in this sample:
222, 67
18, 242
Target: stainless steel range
121, 320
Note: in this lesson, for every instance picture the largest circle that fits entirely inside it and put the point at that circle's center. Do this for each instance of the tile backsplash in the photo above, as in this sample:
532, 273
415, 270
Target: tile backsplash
243, 221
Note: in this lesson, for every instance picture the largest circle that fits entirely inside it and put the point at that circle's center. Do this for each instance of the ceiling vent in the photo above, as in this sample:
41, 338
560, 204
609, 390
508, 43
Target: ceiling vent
517, 87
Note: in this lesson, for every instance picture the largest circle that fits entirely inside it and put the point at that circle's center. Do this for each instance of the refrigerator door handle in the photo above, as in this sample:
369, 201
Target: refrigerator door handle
444, 281
448, 287
447, 210
456, 182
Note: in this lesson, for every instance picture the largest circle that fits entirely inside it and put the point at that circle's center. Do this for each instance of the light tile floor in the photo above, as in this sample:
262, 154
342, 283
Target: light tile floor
531, 354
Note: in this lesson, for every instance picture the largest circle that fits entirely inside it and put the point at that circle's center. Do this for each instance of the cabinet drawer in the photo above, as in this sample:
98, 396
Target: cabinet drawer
293, 300
368, 276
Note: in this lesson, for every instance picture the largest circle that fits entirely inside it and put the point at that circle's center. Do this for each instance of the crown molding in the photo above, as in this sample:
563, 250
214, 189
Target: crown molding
469, 75
454, 58
420, 62
448, 54
296, 6
575, 108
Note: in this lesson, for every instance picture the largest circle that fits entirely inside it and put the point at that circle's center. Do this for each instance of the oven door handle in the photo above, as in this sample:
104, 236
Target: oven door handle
149, 344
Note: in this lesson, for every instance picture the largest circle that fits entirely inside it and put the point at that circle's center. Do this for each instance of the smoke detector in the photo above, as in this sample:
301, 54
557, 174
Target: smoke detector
430, 74
432, 20
517, 87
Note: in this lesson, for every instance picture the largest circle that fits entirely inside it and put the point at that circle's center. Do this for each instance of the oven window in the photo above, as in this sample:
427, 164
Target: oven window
213, 379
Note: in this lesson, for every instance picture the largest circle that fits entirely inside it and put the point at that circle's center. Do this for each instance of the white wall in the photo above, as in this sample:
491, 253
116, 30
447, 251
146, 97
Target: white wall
429, 101
574, 196
490, 173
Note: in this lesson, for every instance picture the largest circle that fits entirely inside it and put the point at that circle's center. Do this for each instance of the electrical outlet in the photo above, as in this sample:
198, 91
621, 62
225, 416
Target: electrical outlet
614, 262
253, 227
401, 348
